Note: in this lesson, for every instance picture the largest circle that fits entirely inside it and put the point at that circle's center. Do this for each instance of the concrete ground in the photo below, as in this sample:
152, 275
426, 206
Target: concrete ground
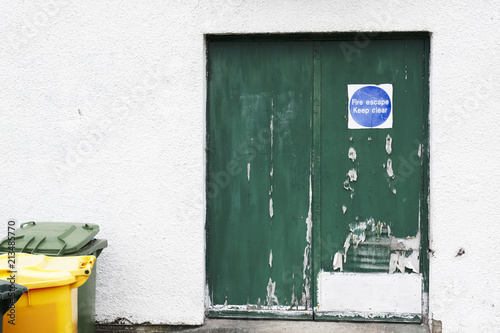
268, 326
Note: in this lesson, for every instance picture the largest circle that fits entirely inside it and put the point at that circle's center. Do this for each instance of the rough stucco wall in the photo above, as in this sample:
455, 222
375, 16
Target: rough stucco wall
102, 119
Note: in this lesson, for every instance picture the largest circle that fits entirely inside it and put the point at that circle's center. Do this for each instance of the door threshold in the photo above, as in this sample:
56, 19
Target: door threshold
260, 314
269, 326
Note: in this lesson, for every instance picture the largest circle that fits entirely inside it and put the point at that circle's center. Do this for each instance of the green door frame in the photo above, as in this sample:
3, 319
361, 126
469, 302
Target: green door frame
354, 41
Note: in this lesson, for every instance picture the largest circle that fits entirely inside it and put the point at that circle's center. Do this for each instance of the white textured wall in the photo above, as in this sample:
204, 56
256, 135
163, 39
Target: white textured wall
102, 119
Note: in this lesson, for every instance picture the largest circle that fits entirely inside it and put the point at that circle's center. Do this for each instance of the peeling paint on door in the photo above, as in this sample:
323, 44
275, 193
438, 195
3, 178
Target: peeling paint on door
353, 175
271, 210
271, 298
375, 249
306, 296
388, 144
352, 154
337, 261
390, 172
405, 254
271, 173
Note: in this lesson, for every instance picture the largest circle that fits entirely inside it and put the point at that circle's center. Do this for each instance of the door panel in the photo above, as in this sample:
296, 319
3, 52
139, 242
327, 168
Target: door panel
259, 167
372, 184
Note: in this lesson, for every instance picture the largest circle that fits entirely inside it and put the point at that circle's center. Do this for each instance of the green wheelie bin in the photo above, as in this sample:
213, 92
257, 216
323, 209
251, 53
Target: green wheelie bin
61, 239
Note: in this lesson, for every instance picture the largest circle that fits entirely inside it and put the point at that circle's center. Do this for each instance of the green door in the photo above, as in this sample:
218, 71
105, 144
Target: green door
310, 214
259, 178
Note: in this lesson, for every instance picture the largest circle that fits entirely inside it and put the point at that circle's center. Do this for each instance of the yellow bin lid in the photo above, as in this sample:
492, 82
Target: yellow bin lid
39, 271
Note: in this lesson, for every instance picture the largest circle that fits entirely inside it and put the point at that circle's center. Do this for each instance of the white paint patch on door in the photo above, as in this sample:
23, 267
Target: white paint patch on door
352, 154
271, 128
400, 261
309, 213
388, 144
294, 301
306, 294
337, 261
208, 301
271, 173
405, 254
271, 298
390, 172
353, 175
365, 294
347, 244
271, 211
347, 185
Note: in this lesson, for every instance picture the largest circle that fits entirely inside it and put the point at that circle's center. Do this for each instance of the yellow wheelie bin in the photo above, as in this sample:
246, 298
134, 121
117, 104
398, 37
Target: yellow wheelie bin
63, 239
50, 305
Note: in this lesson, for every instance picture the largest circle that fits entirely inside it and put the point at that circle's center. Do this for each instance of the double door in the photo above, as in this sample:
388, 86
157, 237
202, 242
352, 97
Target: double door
313, 211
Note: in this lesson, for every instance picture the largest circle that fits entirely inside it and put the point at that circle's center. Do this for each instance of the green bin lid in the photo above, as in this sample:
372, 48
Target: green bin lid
51, 238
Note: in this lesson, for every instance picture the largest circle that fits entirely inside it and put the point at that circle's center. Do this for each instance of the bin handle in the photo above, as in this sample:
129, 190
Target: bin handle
81, 274
23, 225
